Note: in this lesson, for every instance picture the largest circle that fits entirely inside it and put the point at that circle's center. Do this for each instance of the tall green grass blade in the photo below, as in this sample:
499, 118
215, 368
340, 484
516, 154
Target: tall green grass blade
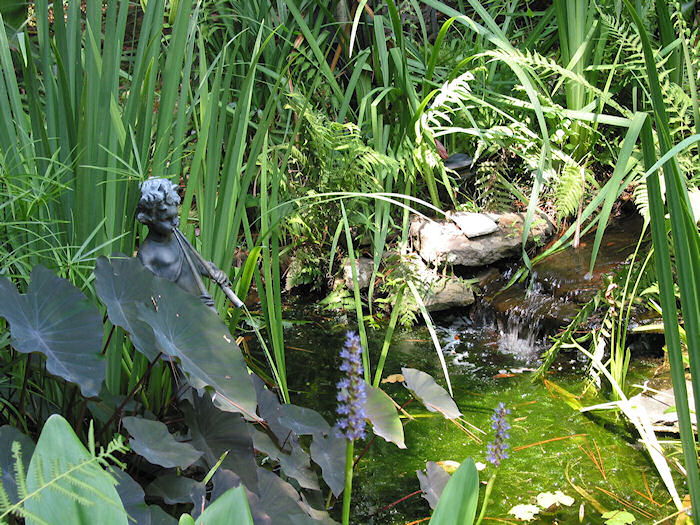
612, 188
395, 310
171, 80
686, 244
356, 295
431, 329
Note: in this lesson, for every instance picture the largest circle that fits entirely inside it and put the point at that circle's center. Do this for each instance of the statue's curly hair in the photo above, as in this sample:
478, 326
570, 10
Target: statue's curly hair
153, 193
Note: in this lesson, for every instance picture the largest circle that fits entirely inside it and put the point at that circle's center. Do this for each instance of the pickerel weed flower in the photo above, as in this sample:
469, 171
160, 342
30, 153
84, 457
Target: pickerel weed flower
352, 395
497, 448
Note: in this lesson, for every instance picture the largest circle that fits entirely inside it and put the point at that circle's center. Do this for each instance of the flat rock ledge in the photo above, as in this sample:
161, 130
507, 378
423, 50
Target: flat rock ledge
474, 239
438, 292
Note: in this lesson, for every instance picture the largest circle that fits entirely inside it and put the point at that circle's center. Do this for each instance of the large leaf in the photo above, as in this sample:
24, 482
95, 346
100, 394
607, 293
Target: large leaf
280, 501
58, 452
457, 504
152, 440
132, 497
55, 319
432, 482
303, 421
230, 507
121, 284
329, 453
382, 414
9, 435
433, 396
173, 489
294, 465
215, 432
271, 411
183, 328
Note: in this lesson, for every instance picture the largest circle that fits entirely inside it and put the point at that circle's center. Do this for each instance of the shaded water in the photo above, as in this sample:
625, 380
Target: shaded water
593, 457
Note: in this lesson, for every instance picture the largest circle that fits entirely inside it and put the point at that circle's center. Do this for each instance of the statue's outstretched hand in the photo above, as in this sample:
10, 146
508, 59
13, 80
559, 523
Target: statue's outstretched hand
220, 277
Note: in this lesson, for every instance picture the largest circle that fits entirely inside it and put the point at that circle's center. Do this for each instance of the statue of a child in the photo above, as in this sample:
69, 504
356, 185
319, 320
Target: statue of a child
161, 252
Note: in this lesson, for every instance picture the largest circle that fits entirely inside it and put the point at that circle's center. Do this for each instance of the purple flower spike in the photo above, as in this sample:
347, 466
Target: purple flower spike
497, 448
352, 395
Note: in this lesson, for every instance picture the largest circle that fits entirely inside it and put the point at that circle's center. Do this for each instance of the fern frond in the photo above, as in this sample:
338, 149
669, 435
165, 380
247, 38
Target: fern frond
20, 474
7, 507
491, 193
641, 198
542, 64
569, 190
5, 502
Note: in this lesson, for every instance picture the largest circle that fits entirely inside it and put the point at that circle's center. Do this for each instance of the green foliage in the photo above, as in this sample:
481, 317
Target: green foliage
65, 481
569, 190
457, 504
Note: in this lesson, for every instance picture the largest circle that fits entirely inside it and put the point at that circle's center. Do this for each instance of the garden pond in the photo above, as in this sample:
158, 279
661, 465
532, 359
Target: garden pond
595, 457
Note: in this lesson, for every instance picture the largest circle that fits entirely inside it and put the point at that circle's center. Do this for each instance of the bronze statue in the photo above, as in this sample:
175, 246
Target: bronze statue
166, 251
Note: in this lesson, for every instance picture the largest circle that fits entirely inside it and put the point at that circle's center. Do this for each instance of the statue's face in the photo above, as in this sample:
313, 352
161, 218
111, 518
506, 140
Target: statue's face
164, 218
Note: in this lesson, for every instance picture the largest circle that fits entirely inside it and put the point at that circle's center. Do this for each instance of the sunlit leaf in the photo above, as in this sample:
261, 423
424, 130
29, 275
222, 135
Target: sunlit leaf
432, 482
58, 451
230, 507
457, 503
547, 500
433, 396
55, 319
450, 466
618, 517
382, 414
152, 440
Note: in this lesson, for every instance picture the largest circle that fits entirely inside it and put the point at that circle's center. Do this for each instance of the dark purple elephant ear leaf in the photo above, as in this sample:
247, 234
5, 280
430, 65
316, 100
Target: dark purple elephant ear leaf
122, 283
55, 319
153, 441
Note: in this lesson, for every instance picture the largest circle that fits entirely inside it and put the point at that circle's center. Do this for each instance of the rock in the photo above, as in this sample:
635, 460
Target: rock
364, 266
445, 242
658, 405
474, 224
440, 292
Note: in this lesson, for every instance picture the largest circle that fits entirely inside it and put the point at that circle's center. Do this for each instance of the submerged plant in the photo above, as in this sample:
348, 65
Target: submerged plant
352, 396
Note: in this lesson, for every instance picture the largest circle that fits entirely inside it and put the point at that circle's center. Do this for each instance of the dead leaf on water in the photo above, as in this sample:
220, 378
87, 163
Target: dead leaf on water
393, 378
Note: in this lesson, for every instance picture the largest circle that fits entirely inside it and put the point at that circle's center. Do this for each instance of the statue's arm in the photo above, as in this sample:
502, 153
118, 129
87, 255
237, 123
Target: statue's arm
214, 273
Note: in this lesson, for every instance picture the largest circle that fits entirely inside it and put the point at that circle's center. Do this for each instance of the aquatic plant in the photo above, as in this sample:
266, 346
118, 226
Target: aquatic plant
352, 396
497, 450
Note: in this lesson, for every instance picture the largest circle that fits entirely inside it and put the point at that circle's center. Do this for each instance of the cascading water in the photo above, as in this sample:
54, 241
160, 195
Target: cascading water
516, 321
